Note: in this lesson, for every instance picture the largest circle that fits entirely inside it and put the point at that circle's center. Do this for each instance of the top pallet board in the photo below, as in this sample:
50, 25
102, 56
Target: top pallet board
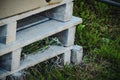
13, 7
8, 19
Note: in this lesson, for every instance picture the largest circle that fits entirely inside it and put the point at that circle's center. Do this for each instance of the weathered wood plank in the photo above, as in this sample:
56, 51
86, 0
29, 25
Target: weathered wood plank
67, 37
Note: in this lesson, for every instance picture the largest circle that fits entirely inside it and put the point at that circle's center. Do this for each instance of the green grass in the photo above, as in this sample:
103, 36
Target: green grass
99, 34
41, 45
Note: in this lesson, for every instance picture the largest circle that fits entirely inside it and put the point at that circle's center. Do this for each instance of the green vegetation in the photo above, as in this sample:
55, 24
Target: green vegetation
99, 34
41, 45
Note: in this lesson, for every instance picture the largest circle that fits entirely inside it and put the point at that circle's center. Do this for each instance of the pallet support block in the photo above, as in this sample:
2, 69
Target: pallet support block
67, 37
10, 61
61, 13
16, 59
8, 33
76, 54
66, 57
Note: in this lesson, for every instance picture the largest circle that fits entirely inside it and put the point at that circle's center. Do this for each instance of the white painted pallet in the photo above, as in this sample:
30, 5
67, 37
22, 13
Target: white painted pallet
11, 52
8, 26
33, 26
38, 32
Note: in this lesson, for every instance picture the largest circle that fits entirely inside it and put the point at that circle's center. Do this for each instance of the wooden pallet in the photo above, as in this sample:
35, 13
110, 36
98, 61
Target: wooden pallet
23, 29
8, 26
10, 53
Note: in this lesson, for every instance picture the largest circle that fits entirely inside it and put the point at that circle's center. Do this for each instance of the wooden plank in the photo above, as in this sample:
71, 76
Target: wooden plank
32, 12
13, 7
38, 32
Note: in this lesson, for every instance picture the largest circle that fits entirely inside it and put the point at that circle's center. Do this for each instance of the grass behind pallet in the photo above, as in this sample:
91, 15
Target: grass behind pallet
96, 34
99, 34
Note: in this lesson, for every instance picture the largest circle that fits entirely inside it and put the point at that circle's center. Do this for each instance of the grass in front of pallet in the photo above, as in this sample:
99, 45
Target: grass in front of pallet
99, 36
90, 70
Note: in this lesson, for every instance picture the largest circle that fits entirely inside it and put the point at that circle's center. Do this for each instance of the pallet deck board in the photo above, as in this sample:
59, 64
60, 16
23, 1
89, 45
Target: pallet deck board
30, 13
37, 32
34, 59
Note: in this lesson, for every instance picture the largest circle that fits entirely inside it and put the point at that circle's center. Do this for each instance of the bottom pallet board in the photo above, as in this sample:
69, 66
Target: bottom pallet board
34, 59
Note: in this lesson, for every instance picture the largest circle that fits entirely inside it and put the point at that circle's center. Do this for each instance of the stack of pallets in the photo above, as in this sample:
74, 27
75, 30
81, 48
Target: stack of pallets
25, 28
